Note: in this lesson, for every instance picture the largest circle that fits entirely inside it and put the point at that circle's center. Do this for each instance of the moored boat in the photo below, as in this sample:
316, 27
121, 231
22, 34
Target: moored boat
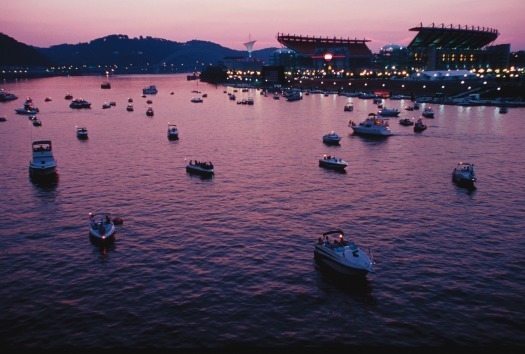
331, 138
333, 163
349, 107
43, 163
79, 103
464, 176
82, 133
420, 125
149, 112
341, 255
428, 112
105, 85
101, 227
173, 132
373, 125
389, 112
150, 90
201, 168
406, 121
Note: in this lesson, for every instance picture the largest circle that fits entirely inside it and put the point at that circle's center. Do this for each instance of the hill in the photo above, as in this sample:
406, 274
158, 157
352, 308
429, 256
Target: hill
143, 54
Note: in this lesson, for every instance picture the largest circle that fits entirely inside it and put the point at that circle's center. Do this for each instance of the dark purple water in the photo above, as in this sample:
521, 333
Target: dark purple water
206, 263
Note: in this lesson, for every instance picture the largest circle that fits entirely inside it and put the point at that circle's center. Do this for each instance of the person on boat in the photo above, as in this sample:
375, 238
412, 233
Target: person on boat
320, 241
108, 219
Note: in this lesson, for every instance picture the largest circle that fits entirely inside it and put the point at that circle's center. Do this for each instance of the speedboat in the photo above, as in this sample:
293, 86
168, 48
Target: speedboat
349, 107
343, 256
80, 103
463, 175
7, 96
68, 96
43, 163
333, 163
101, 227
331, 138
150, 90
373, 125
105, 85
389, 112
420, 125
428, 113
106, 105
406, 121
250, 101
28, 108
130, 108
150, 112
82, 133
200, 168
173, 132
196, 100
37, 123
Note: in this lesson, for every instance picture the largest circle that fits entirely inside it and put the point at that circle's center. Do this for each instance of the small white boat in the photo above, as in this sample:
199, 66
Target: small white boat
150, 90
341, 255
331, 138
428, 112
464, 176
106, 105
130, 108
349, 107
173, 132
333, 163
389, 112
43, 163
101, 227
82, 133
373, 125
197, 100
201, 168
80, 103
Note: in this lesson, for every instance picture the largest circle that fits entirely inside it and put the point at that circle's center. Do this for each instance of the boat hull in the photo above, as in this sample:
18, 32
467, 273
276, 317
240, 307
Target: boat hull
333, 165
199, 171
38, 171
463, 182
371, 131
339, 267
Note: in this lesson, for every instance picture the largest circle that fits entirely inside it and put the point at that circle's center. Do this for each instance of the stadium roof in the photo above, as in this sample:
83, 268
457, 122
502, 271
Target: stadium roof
309, 46
452, 37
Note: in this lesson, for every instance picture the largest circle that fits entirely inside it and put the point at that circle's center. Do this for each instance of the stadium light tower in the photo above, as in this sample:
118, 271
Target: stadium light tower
249, 46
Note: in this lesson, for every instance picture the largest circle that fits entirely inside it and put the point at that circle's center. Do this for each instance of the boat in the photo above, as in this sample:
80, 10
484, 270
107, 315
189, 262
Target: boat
150, 112
333, 163
420, 125
406, 121
173, 132
130, 108
28, 108
79, 103
197, 100
504, 109
105, 85
331, 138
43, 163
200, 168
428, 112
82, 133
373, 125
250, 101
149, 101
341, 255
276, 96
112, 103
3, 119
409, 108
389, 112
130, 100
294, 96
68, 96
106, 105
463, 175
47, 99
150, 90
37, 123
349, 107
416, 105
101, 227
7, 96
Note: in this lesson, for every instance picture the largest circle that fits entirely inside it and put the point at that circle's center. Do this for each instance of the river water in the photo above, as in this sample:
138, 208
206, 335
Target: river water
228, 261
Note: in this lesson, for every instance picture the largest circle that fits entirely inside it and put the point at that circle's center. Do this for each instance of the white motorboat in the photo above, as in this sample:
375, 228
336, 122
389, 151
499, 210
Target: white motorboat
341, 255
331, 138
373, 125
101, 227
80, 103
43, 163
333, 163
389, 112
349, 107
428, 112
150, 90
173, 132
201, 168
82, 133
464, 176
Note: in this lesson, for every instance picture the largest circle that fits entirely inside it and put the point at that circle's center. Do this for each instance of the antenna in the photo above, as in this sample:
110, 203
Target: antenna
249, 45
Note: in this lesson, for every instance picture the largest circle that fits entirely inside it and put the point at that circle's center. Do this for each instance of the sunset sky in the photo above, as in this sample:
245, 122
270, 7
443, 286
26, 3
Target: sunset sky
230, 23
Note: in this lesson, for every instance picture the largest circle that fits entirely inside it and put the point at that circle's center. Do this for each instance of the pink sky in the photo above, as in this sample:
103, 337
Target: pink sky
230, 23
